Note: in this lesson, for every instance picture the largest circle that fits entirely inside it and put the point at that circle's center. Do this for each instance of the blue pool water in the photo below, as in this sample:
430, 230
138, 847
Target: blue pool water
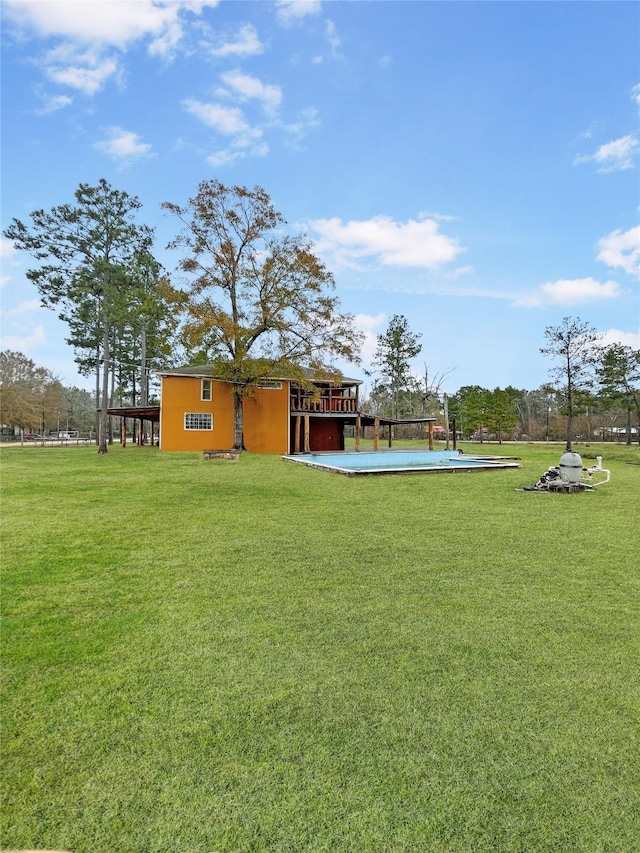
400, 461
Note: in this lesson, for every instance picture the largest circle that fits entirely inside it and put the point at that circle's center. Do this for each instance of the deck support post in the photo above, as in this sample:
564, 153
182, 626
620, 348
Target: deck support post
358, 430
296, 434
430, 431
307, 434
376, 433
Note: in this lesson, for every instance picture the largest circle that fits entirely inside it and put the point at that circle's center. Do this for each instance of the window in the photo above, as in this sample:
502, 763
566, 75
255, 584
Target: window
206, 389
198, 420
273, 384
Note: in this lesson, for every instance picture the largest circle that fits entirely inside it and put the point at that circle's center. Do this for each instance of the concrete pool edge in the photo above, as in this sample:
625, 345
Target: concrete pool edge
476, 463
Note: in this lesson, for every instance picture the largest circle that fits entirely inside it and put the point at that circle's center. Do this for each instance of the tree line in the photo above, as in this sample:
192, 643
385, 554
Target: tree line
255, 303
33, 400
593, 389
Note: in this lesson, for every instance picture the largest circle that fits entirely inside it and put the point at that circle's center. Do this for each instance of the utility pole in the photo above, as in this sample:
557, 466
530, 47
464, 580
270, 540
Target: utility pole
445, 398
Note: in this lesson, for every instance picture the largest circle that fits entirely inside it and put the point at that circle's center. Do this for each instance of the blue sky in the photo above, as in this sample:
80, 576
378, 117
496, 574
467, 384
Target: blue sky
471, 165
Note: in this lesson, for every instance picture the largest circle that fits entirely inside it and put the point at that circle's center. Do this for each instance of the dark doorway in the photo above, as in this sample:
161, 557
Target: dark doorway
326, 434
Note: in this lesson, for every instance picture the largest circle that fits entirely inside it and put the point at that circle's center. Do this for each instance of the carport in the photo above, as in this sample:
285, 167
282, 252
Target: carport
141, 414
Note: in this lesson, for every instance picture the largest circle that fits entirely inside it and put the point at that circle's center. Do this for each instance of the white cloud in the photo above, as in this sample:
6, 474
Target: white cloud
588, 133
627, 339
245, 140
7, 248
246, 87
246, 43
53, 103
307, 121
454, 274
26, 342
289, 11
367, 324
614, 156
225, 157
333, 38
229, 156
117, 23
123, 145
88, 73
90, 34
575, 291
635, 94
416, 244
24, 308
621, 249
228, 121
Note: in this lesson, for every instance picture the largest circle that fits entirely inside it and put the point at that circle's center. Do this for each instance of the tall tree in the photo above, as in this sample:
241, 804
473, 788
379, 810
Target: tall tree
468, 407
534, 410
391, 361
618, 374
572, 344
87, 251
144, 335
81, 409
256, 303
501, 411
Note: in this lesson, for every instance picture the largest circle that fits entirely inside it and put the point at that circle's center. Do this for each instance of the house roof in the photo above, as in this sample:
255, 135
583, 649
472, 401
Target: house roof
369, 420
207, 371
147, 413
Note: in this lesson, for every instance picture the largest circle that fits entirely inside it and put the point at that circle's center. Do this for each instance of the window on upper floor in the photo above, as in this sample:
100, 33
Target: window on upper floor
206, 390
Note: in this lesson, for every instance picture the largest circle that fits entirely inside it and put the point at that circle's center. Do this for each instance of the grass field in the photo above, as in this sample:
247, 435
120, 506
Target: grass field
256, 656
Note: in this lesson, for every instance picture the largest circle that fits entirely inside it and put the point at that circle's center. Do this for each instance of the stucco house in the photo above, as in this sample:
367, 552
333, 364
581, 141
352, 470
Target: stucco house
279, 417
196, 413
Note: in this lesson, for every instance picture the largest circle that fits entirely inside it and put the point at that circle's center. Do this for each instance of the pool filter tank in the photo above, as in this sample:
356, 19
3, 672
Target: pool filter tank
570, 468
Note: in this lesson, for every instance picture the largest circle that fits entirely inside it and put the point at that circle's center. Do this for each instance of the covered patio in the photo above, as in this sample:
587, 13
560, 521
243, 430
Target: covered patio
142, 415
301, 428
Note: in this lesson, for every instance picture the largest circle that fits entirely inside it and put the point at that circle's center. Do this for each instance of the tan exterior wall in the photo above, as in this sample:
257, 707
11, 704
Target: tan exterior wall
182, 394
266, 420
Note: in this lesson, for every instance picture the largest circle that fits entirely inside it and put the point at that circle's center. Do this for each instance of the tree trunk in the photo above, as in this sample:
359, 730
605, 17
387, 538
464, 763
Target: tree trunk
112, 388
238, 425
96, 420
143, 368
102, 443
446, 418
569, 406
144, 391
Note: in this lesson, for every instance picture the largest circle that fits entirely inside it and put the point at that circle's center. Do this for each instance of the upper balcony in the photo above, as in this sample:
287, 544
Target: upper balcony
332, 400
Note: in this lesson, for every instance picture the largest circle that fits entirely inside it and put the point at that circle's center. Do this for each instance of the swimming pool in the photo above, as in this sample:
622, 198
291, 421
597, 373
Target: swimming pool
401, 462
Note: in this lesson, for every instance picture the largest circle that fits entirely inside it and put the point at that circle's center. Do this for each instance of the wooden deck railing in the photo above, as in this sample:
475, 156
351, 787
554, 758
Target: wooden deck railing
340, 405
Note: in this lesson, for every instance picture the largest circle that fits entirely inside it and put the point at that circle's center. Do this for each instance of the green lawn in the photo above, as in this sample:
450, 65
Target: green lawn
256, 656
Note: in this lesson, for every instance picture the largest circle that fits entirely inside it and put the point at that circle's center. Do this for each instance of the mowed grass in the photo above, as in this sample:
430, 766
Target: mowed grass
257, 656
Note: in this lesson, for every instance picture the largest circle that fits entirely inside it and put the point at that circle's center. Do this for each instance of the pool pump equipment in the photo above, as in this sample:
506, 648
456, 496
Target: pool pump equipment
570, 475
570, 468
